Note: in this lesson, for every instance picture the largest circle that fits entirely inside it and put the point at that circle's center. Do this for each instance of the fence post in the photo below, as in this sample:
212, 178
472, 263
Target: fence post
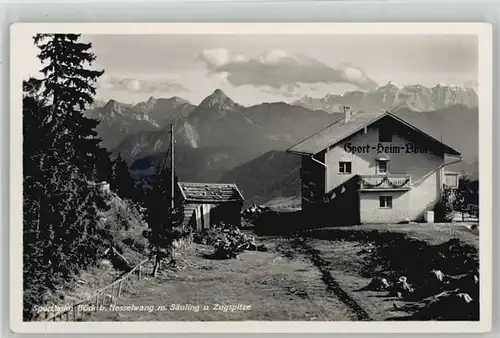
122, 286
119, 289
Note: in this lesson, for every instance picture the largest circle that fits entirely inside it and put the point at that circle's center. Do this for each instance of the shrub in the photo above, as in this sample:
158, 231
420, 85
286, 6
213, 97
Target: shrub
443, 210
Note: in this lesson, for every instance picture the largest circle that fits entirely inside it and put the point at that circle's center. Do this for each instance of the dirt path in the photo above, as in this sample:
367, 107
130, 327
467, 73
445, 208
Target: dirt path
300, 243
261, 285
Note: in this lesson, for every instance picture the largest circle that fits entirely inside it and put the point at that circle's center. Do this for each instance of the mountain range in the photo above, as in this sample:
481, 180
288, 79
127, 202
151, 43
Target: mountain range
218, 122
120, 120
390, 96
220, 140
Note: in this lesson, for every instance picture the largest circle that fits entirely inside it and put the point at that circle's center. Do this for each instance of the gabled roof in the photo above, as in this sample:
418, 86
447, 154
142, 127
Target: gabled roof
210, 192
340, 130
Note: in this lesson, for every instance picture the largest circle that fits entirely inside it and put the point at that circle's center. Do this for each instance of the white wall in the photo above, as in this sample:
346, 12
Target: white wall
370, 211
426, 177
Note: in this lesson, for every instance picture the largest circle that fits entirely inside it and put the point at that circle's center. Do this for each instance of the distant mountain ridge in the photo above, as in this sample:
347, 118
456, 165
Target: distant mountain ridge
120, 120
207, 123
218, 121
390, 96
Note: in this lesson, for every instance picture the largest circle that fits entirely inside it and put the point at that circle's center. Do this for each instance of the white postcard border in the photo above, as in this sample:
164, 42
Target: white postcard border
21, 31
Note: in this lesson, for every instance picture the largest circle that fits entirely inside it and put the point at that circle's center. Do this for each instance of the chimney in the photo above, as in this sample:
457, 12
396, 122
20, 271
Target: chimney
347, 113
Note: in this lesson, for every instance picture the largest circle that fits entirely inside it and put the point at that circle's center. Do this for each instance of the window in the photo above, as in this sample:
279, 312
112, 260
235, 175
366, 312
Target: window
451, 180
384, 135
385, 202
345, 167
382, 167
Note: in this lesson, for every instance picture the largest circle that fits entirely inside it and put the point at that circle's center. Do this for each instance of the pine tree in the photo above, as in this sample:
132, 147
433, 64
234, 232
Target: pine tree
164, 221
62, 160
69, 85
121, 180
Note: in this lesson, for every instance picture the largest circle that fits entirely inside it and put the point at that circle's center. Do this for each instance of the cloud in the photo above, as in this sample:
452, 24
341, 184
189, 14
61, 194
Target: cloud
289, 91
215, 57
140, 85
278, 69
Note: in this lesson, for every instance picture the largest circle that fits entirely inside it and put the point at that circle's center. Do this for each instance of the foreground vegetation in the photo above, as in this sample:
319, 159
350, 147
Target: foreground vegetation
71, 216
62, 162
318, 275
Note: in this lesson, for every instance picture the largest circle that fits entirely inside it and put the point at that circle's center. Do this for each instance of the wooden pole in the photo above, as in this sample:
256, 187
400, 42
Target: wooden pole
119, 289
172, 166
157, 262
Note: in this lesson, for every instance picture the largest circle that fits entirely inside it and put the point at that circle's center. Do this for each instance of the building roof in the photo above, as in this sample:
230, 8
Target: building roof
210, 192
340, 130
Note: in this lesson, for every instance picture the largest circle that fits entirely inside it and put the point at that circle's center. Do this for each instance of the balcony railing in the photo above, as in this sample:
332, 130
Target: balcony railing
384, 182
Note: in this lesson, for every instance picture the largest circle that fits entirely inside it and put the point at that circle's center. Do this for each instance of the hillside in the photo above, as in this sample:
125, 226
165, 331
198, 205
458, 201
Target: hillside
120, 227
193, 164
274, 174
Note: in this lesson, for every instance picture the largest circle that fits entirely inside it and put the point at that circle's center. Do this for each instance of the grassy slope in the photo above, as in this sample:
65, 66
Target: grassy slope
263, 280
124, 224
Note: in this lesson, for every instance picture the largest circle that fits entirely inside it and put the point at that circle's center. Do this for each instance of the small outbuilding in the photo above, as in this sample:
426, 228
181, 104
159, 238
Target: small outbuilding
208, 204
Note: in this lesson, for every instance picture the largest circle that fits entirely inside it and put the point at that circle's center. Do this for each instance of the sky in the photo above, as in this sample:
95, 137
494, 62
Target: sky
254, 69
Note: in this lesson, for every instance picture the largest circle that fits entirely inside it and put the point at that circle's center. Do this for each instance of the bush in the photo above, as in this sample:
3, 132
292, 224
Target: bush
443, 210
228, 241
123, 224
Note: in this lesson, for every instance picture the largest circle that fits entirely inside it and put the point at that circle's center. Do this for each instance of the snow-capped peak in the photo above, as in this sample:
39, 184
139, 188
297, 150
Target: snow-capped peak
388, 86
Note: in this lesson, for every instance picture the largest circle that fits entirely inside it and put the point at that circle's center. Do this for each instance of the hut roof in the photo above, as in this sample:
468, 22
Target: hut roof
210, 192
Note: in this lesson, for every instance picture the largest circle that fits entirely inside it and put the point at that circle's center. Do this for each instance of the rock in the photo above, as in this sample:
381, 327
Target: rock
448, 305
465, 297
401, 288
405, 287
377, 284
438, 274
105, 264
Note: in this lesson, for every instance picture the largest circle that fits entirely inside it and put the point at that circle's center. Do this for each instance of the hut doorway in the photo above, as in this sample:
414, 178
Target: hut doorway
217, 215
202, 213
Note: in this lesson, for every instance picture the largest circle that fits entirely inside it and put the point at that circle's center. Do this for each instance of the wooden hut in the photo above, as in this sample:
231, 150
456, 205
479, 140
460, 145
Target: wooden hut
208, 204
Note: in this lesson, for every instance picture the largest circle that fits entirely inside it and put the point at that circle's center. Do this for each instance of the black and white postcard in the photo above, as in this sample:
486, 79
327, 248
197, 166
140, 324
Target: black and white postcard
251, 177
